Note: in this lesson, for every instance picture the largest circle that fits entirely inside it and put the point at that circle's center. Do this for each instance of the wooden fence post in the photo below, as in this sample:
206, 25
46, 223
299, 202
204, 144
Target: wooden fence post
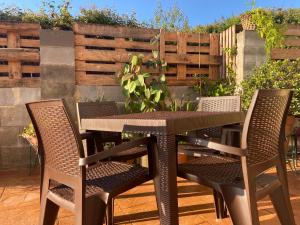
13, 41
181, 50
214, 70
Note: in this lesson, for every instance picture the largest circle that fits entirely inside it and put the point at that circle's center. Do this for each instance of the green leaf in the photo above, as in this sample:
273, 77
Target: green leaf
143, 106
134, 60
146, 75
157, 96
132, 87
147, 93
141, 80
162, 78
155, 54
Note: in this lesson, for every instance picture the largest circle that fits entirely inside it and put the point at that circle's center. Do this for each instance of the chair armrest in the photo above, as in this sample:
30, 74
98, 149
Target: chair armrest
213, 145
110, 152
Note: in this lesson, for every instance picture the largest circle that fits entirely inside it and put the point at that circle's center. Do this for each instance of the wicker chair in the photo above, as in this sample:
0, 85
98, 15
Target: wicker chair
213, 104
243, 181
99, 109
86, 191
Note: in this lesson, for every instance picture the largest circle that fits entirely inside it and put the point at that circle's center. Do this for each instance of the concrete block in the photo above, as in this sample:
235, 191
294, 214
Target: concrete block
92, 93
10, 137
6, 96
57, 55
58, 73
52, 90
14, 116
14, 157
56, 38
25, 95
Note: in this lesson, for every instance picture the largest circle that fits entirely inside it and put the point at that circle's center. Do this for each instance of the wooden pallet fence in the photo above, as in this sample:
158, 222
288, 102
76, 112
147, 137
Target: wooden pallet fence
292, 43
228, 39
19, 55
101, 51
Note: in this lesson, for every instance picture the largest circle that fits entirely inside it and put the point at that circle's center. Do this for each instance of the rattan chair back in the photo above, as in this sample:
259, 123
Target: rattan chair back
57, 136
219, 104
263, 132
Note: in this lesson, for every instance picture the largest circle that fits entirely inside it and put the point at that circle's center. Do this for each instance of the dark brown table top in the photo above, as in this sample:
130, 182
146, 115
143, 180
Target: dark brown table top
167, 122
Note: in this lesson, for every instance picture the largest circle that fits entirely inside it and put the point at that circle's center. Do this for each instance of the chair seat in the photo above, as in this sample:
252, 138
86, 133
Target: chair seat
129, 154
212, 170
108, 177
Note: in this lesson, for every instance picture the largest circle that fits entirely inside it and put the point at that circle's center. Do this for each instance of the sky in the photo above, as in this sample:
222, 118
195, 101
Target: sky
197, 11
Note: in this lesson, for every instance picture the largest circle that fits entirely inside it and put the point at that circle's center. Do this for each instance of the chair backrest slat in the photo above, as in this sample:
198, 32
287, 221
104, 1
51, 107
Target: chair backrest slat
57, 135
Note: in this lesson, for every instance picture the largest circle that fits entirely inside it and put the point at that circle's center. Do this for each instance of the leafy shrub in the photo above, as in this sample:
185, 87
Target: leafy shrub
274, 74
220, 87
106, 16
218, 26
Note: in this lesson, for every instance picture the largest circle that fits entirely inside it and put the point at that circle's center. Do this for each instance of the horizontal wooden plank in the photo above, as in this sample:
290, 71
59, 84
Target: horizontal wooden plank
291, 41
170, 36
83, 79
19, 54
191, 49
30, 69
192, 59
24, 82
31, 33
8, 26
80, 40
197, 71
190, 37
292, 30
82, 66
4, 68
285, 53
194, 38
28, 43
107, 56
3, 41
173, 81
114, 31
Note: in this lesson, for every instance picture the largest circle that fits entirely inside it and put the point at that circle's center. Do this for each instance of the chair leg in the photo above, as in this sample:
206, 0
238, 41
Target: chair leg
48, 212
220, 206
236, 202
110, 212
282, 206
94, 211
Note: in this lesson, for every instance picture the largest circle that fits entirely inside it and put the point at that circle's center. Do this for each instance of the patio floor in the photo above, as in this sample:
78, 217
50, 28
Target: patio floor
19, 203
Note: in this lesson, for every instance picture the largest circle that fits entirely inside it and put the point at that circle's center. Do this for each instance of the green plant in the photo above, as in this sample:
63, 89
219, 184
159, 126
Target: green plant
274, 74
221, 87
182, 104
232, 52
267, 28
106, 16
143, 91
29, 131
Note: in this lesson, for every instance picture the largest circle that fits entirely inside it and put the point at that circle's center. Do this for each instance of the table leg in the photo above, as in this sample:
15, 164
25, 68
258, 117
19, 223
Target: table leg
165, 179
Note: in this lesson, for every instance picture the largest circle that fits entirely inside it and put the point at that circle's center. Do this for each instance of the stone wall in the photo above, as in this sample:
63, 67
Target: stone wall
251, 53
14, 151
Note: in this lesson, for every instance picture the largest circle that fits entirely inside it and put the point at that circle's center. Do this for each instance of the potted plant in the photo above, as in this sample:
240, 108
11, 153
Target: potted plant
246, 21
30, 136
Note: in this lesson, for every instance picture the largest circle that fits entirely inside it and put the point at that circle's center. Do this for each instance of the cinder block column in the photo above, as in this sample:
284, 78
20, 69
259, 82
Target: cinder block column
58, 66
251, 53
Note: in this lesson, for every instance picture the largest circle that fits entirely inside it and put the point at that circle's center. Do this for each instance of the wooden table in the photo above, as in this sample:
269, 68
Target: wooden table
164, 125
